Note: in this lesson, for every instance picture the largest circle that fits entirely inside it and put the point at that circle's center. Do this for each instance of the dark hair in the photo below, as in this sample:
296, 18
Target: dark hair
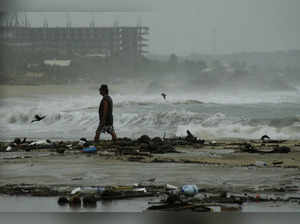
104, 88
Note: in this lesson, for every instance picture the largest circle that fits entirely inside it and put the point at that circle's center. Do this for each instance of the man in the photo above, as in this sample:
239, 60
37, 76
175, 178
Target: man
105, 115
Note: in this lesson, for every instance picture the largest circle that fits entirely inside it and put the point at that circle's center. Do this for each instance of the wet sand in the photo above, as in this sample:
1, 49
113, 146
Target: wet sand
208, 165
212, 167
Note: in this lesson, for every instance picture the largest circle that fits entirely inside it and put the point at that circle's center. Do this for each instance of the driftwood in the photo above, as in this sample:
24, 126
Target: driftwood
276, 149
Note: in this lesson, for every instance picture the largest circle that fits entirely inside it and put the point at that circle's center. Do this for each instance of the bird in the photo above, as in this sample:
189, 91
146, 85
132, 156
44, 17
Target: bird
164, 96
264, 137
38, 118
84, 139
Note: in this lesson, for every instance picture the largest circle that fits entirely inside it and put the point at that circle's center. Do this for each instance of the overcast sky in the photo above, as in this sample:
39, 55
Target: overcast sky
184, 27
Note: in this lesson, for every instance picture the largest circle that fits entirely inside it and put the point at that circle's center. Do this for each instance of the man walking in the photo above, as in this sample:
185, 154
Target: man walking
105, 115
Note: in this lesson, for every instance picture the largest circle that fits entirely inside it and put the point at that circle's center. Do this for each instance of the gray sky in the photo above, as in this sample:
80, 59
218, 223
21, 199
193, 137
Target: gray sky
185, 27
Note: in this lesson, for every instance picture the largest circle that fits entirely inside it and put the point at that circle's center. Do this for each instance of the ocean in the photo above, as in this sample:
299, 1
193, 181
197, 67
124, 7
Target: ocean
72, 113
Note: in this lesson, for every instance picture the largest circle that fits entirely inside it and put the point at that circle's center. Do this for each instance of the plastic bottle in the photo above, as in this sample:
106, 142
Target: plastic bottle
260, 163
189, 190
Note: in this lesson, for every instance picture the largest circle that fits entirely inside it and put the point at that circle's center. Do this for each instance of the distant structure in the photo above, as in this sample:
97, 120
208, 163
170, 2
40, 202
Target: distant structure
122, 41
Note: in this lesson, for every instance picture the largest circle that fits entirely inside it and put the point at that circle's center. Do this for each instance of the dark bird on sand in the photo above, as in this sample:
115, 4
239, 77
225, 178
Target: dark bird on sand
38, 118
84, 139
264, 137
164, 96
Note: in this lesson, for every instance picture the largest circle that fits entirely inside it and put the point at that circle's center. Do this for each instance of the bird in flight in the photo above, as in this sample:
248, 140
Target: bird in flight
164, 96
38, 118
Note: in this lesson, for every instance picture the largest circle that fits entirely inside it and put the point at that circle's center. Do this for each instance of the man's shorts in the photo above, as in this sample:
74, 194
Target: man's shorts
106, 129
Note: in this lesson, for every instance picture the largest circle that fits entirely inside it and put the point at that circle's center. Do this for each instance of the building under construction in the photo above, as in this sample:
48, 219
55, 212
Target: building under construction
119, 41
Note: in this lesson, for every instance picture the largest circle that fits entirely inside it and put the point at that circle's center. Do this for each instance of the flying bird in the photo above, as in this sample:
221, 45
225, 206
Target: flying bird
164, 96
38, 118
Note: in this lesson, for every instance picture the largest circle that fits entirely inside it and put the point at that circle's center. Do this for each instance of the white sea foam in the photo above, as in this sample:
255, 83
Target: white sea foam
75, 117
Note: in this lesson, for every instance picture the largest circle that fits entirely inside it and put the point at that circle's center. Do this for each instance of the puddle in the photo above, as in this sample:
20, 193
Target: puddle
49, 204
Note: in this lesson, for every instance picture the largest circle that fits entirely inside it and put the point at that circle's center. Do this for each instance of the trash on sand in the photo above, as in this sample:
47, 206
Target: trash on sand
230, 208
171, 187
277, 163
62, 201
140, 189
76, 190
41, 142
89, 201
76, 178
90, 149
260, 163
75, 201
189, 190
88, 190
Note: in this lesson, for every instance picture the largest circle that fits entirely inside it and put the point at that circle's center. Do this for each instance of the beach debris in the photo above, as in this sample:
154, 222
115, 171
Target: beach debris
90, 149
230, 207
17, 141
75, 201
191, 138
60, 150
260, 163
9, 148
76, 190
144, 139
171, 187
143, 189
281, 149
38, 118
70, 146
213, 142
41, 142
77, 178
246, 147
105, 153
135, 158
62, 201
189, 190
89, 201
275, 163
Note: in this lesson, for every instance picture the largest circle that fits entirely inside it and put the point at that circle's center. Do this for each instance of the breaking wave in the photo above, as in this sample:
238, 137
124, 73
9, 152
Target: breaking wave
73, 118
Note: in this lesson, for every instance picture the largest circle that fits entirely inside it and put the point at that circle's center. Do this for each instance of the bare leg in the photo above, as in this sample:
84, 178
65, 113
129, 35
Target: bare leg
97, 137
113, 136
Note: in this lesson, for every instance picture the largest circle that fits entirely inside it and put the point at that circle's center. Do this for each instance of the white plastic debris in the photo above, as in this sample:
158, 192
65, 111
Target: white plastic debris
260, 163
76, 190
171, 187
81, 143
41, 142
8, 148
140, 189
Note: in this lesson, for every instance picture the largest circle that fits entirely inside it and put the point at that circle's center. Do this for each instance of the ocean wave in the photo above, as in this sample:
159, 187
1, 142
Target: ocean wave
72, 120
